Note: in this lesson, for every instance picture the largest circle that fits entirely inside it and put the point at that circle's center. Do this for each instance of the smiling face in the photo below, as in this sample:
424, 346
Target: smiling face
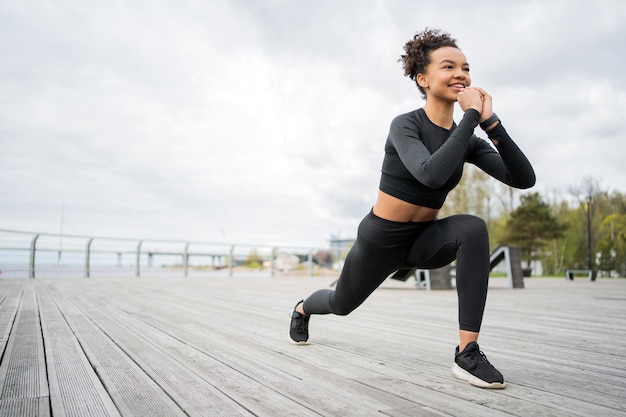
446, 75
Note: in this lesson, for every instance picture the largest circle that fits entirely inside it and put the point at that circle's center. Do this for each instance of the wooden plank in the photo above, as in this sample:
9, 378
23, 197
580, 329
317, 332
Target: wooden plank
23, 384
75, 389
220, 361
190, 393
9, 303
132, 391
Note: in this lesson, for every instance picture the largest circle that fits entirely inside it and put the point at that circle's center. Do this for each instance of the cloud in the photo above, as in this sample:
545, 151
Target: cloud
265, 121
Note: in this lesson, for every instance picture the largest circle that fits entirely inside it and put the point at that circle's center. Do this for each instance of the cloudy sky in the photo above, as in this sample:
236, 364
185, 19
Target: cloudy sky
264, 121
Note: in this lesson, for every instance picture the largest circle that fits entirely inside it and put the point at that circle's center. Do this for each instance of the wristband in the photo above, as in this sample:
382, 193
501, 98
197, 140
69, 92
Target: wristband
491, 120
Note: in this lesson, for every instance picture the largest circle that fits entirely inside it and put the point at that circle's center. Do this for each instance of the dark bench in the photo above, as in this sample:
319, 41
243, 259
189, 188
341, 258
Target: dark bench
430, 279
591, 273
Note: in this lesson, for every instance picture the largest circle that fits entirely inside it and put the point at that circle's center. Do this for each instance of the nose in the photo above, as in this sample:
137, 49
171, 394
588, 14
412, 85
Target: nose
460, 74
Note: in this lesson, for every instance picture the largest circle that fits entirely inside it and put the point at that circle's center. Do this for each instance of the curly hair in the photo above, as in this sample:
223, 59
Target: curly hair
418, 49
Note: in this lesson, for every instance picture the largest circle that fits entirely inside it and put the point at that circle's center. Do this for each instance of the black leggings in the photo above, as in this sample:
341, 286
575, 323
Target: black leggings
382, 247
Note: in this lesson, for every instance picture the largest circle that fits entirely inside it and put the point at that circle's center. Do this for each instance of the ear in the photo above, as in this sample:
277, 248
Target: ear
421, 80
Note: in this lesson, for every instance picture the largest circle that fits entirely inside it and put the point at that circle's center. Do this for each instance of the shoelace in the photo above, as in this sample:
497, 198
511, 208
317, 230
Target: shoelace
483, 357
476, 356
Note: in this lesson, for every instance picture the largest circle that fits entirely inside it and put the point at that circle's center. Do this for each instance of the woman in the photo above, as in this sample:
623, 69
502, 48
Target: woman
424, 156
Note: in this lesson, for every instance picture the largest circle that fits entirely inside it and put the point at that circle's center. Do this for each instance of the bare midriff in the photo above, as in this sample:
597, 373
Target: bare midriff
392, 208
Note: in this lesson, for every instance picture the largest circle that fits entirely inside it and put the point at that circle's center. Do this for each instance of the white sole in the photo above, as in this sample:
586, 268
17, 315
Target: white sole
293, 342
461, 373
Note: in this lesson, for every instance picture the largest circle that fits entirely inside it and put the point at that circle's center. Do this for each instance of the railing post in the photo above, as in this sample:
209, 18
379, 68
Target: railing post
273, 262
230, 261
31, 262
186, 259
138, 268
87, 257
310, 262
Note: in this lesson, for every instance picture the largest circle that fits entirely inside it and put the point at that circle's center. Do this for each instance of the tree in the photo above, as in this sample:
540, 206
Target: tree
473, 195
612, 245
532, 226
253, 260
611, 233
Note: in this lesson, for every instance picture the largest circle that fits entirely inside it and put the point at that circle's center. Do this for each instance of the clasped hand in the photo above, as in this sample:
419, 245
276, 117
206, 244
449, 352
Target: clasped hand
476, 98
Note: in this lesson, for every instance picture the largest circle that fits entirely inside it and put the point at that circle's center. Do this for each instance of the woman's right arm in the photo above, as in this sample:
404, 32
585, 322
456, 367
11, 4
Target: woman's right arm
432, 170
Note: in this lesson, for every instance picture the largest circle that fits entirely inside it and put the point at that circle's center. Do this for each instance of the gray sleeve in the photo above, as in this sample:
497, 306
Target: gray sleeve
432, 170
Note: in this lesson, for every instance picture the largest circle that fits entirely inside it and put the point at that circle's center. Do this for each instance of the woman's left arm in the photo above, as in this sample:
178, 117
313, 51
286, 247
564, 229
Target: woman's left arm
509, 164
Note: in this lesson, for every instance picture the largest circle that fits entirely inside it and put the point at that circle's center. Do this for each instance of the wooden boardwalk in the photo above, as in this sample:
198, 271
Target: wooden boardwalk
218, 347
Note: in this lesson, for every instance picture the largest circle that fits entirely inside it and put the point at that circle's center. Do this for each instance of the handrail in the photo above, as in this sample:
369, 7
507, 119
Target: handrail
221, 252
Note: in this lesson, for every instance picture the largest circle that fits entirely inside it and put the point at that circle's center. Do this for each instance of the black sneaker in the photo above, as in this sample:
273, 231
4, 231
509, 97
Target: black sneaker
299, 330
472, 365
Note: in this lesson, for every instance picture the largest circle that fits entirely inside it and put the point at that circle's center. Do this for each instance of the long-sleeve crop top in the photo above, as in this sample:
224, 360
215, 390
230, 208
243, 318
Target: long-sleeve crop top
424, 162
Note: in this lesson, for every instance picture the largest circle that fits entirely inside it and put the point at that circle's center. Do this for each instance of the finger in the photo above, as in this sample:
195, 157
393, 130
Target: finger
473, 90
482, 91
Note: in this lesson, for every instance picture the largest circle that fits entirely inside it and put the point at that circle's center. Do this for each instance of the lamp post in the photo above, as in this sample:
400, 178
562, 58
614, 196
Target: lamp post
589, 199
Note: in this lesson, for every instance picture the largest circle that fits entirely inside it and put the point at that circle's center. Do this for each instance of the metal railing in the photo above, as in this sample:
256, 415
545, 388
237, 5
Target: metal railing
87, 254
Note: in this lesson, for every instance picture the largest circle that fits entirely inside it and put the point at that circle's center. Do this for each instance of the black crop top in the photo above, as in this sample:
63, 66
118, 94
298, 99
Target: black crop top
424, 162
